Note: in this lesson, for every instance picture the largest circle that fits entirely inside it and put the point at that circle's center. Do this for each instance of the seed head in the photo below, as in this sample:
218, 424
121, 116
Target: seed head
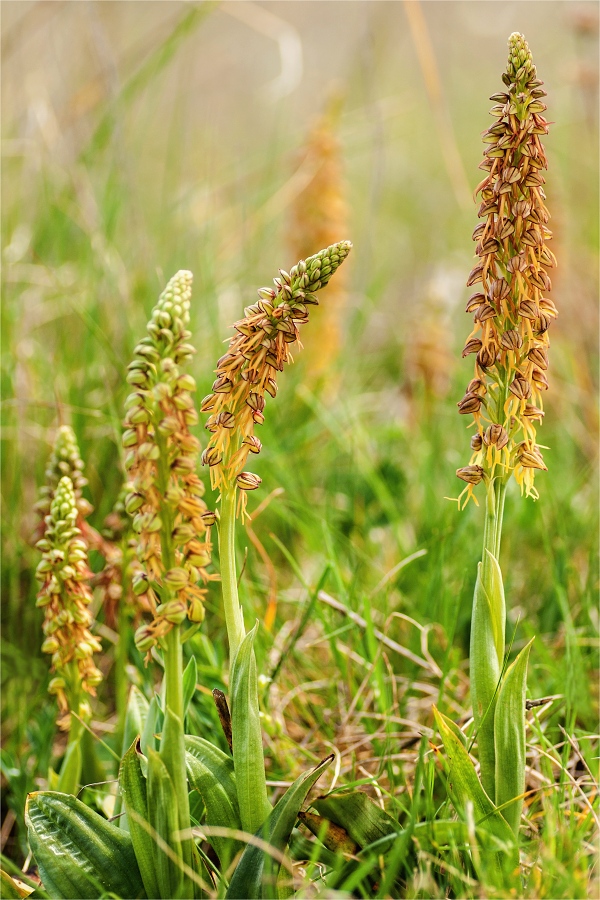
165, 497
248, 371
65, 597
511, 310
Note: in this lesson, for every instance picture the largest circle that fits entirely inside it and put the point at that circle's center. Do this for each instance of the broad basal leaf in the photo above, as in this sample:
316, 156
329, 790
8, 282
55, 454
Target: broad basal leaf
210, 772
80, 854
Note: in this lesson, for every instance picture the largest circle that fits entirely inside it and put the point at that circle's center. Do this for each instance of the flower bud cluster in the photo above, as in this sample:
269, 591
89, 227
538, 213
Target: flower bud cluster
256, 353
165, 494
65, 597
511, 308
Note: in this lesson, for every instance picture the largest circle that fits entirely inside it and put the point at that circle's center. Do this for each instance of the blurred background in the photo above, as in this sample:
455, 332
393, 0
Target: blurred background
231, 139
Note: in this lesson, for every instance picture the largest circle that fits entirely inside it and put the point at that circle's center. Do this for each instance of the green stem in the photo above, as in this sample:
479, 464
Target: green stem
234, 618
172, 747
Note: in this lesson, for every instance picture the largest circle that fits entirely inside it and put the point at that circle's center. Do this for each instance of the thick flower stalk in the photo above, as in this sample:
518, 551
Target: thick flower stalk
165, 497
512, 314
245, 374
65, 597
512, 311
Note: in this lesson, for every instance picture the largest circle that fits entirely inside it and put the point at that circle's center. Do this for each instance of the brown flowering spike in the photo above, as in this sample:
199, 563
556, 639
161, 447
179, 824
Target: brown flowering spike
65, 597
512, 311
248, 371
165, 497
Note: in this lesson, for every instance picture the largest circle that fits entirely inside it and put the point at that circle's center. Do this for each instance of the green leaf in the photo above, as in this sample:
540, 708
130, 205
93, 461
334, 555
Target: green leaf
79, 854
152, 726
509, 737
135, 717
464, 787
247, 738
69, 777
356, 813
163, 814
172, 753
211, 773
487, 652
190, 677
9, 889
133, 788
257, 872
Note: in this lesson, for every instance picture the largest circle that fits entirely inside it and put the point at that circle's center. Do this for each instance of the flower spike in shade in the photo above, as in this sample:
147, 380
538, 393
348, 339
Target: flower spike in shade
511, 308
248, 371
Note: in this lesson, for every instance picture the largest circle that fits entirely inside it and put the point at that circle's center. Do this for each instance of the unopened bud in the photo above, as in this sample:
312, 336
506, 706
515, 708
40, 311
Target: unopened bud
247, 481
470, 474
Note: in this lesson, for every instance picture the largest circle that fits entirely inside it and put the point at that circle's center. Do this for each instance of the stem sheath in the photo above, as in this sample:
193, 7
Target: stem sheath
233, 611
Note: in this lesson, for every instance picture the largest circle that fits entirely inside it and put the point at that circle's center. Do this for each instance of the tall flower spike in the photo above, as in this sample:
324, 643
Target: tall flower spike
165, 497
248, 371
511, 308
65, 597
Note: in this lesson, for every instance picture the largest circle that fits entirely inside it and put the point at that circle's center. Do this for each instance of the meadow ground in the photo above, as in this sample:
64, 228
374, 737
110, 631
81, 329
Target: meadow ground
141, 138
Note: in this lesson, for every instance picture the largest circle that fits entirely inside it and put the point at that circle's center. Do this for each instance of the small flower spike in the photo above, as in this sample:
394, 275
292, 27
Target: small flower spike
65, 597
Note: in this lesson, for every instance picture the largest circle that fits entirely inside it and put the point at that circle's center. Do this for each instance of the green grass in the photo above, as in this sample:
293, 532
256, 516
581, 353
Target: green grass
163, 174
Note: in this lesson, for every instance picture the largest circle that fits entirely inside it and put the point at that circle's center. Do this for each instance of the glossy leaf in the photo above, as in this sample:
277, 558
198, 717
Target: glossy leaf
133, 788
210, 772
257, 872
509, 737
79, 854
247, 738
